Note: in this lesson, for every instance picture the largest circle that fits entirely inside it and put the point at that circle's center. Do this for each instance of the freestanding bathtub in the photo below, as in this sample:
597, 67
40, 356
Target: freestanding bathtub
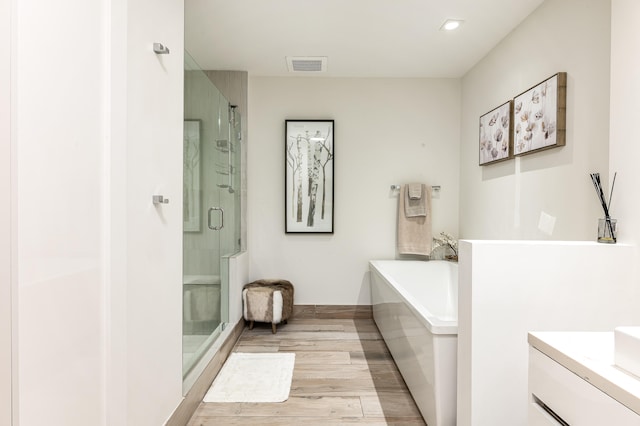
415, 306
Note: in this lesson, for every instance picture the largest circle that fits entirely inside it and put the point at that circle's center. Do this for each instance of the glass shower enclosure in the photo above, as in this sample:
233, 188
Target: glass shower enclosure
211, 211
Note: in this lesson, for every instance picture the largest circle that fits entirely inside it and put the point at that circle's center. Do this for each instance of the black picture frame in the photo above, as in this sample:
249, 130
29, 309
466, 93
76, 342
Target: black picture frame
309, 176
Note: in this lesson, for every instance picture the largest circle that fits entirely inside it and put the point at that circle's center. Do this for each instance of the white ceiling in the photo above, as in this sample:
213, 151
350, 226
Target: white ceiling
361, 38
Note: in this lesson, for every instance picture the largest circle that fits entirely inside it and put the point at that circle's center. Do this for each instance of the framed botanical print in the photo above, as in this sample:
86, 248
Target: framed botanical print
540, 116
495, 135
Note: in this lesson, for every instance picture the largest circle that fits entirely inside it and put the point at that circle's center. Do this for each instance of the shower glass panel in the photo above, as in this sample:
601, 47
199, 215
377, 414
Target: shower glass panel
211, 211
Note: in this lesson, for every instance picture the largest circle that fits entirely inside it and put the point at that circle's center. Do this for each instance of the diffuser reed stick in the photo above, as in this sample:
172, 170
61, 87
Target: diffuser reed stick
612, 185
597, 184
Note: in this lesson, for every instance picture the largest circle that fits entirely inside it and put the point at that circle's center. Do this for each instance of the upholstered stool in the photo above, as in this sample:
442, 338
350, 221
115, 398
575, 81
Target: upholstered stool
267, 301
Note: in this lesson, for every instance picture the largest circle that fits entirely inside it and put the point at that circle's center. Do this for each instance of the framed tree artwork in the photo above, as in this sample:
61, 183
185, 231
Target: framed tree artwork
310, 154
191, 176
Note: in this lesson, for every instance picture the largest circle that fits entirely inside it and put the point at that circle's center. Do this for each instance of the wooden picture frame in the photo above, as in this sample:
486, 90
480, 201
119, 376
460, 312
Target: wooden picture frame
495, 138
309, 177
540, 116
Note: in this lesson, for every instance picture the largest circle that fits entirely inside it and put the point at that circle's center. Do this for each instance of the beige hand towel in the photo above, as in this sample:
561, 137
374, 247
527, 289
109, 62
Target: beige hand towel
414, 233
415, 206
415, 191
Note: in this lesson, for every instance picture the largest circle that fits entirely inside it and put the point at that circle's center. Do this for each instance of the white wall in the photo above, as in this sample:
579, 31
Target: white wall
97, 131
625, 104
115, 211
505, 200
154, 233
5, 213
59, 113
387, 131
508, 288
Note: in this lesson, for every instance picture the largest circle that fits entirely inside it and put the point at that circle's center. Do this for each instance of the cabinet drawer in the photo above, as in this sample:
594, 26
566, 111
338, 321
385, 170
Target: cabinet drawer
574, 400
539, 417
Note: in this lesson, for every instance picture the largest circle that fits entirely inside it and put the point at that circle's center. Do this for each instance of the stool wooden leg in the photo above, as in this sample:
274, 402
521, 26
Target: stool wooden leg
273, 328
251, 325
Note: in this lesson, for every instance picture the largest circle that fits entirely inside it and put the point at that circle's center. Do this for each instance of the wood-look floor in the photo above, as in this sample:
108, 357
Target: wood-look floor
343, 374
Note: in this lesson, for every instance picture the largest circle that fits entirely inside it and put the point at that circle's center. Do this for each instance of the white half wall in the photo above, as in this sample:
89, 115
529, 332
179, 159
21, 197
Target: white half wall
625, 104
508, 288
387, 131
507, 200
238, 277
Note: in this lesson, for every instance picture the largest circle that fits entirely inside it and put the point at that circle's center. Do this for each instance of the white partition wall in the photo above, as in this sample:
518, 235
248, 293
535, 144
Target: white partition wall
95, 116
508, 288
5, 214
58, 119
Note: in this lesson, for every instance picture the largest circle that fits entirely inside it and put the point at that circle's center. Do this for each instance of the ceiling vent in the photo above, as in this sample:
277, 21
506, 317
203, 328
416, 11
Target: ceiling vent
307, 64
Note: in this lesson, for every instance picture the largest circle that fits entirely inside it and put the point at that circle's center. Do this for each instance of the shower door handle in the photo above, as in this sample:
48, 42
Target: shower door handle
215, 228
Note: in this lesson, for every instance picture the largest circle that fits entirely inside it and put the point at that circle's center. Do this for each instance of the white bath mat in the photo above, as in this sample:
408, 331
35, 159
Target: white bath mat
253, 377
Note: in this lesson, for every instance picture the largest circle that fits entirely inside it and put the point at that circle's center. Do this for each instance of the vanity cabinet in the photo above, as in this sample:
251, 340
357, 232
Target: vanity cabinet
574, 382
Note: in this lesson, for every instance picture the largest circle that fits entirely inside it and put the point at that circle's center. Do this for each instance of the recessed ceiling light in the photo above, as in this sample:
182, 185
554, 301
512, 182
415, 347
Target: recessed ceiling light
451, 24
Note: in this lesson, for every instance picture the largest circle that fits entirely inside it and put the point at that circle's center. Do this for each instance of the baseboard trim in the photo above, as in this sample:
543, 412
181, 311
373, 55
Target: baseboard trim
193, 398
333, 311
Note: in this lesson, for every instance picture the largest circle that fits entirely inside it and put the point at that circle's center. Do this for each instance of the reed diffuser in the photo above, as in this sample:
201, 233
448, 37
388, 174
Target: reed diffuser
606, 226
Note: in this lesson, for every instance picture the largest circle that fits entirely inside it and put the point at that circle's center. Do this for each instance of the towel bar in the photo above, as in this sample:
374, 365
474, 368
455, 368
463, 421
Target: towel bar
397, 187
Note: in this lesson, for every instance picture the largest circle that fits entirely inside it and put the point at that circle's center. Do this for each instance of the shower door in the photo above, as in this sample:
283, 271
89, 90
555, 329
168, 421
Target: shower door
211, 207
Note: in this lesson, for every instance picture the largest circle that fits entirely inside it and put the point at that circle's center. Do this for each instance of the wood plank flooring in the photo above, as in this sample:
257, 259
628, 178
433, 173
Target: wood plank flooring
344, 374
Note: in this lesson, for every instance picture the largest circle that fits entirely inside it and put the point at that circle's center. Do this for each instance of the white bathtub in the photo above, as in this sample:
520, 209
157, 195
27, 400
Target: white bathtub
415, 306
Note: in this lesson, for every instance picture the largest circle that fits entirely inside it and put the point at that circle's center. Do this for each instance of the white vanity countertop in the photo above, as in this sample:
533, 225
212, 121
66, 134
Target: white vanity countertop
590, 355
